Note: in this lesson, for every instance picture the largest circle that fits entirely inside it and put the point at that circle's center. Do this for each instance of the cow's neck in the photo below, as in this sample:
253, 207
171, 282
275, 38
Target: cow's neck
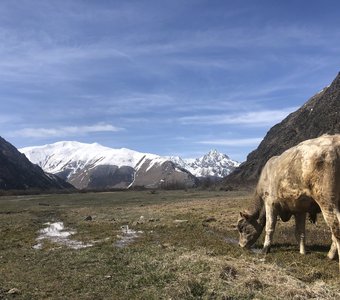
262, 218
259, 213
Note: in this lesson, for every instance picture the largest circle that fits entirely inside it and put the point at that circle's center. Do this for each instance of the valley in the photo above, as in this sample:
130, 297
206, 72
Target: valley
152, 245
154, 149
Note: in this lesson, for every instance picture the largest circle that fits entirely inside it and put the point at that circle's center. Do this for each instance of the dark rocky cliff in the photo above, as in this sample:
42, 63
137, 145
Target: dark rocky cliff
319, 115
17, 172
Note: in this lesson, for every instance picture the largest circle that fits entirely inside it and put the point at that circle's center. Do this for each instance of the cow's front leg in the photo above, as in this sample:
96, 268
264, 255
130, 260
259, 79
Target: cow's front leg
300, 229
333, 250
271, 217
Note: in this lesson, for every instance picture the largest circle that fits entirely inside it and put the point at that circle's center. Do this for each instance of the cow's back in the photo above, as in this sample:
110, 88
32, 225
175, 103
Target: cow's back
306, 170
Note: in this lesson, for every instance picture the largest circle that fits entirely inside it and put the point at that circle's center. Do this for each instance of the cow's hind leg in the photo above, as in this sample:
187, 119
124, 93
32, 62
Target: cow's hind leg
271, 218
300, 228
332, 217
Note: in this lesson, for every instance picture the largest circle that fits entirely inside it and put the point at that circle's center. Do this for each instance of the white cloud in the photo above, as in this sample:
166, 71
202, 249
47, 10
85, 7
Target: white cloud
64, 131
233, 142
253, 118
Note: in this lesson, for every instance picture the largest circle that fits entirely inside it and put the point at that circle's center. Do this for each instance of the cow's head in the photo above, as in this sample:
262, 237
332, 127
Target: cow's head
249, 230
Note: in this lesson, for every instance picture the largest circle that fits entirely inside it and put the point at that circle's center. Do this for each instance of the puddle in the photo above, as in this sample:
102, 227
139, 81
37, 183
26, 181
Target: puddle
56, 233
231, 241
127, 236
256, 250
100, 241
235, 242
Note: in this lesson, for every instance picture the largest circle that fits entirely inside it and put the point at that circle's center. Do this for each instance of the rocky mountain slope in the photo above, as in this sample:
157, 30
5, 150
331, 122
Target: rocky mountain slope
319, 115
95, 166
213, 164
17, 172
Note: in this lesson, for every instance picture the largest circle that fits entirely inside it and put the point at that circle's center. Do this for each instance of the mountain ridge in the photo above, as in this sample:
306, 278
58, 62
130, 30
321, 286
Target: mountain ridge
83, 164
319, 115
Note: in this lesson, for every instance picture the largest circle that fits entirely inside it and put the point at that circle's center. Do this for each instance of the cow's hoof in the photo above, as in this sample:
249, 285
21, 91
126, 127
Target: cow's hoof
266, 250
331, 256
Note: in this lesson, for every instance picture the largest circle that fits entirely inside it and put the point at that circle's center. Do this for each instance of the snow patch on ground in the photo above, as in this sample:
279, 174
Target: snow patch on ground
56, 233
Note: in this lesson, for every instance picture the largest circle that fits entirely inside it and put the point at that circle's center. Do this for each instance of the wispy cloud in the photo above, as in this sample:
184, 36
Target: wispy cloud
27, 57
129, 103
253, 118
140, 102
64, 131
232, 142
8, 119
32, 60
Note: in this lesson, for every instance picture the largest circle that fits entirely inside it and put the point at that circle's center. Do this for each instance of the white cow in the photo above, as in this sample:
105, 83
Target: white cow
303, 179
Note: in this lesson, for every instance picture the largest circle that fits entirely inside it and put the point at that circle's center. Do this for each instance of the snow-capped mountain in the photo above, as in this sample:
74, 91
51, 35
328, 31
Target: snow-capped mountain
54, 158
212, 164
96, 166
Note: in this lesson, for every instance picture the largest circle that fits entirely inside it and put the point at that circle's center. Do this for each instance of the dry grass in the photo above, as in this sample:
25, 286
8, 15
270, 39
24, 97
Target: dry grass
182, 252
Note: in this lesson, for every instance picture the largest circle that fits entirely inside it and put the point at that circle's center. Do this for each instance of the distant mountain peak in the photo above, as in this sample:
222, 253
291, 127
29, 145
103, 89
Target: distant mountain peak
213, 152
211, 164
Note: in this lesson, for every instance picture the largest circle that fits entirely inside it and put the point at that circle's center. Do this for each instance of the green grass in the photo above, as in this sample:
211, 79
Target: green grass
184, 259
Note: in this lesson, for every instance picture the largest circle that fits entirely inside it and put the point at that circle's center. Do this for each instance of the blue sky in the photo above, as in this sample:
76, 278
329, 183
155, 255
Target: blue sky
165, 77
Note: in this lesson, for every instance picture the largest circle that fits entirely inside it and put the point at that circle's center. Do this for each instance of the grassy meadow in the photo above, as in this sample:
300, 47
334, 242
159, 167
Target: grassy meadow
184, 248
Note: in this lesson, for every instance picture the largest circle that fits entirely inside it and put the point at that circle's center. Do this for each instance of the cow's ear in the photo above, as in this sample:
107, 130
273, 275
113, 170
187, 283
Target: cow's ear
245, 215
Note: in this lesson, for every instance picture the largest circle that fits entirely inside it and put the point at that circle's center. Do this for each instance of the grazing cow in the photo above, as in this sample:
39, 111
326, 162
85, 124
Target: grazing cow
304, 179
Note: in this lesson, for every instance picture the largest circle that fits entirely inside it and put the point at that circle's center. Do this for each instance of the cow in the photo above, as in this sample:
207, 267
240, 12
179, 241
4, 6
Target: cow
303, 179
